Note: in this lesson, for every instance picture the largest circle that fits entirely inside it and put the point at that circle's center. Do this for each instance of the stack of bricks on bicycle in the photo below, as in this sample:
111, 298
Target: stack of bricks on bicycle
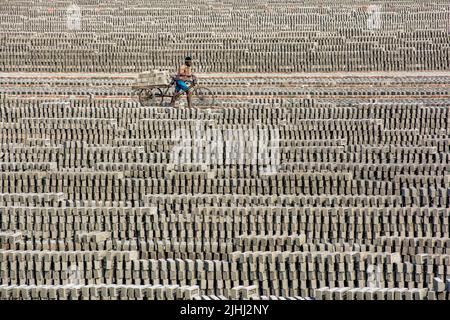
153, 77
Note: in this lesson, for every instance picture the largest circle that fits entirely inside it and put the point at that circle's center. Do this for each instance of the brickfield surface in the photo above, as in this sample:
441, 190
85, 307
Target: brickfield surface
224, 36
101, 198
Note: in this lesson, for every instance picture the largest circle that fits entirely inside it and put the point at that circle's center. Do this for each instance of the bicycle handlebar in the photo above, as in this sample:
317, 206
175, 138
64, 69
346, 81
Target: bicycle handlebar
176, 76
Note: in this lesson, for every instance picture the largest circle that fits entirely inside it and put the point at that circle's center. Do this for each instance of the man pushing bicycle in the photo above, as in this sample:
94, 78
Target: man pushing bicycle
184, 81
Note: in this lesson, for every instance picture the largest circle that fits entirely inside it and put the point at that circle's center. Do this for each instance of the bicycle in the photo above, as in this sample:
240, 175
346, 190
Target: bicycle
200, 95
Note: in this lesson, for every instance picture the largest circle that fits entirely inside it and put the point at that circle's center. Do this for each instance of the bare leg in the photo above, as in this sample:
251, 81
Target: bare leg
189, 98
174, 99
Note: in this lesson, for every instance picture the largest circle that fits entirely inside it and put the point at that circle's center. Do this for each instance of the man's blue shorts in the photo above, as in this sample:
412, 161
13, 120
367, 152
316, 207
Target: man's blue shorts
181, 85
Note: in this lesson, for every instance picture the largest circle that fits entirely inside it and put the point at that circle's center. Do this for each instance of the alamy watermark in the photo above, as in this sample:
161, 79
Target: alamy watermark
73, 275
375, 276
207, 145
374, 19
375, 272
73, 15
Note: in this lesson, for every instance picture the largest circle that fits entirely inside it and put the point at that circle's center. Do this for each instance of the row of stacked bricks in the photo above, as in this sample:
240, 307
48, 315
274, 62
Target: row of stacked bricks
249, 89
236, 36
105, 199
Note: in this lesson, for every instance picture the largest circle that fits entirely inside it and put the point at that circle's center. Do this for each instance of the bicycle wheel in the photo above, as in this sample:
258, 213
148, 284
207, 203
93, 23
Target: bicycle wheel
202, 96
146, 96
164, 95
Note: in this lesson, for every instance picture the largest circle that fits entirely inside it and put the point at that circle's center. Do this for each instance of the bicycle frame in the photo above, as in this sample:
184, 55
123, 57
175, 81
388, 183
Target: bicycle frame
176, 95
